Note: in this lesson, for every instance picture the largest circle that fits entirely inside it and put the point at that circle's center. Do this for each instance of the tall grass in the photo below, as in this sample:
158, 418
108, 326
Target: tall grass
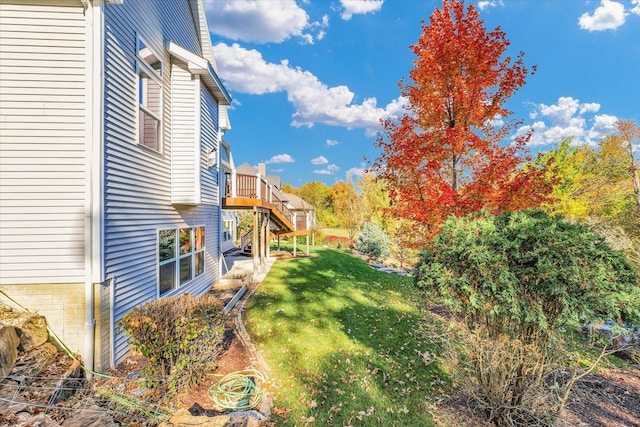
341, 341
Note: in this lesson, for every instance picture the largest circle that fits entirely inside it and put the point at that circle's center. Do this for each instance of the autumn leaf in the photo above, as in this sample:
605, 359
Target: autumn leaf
281, 412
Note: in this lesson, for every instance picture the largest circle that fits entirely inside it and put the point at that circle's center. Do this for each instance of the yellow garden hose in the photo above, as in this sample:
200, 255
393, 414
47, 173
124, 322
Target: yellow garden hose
238, 390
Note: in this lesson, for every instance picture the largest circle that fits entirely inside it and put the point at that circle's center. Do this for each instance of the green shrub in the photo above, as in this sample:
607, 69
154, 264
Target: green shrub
181, 337
524, 273
245, 223
373, 241
513, 279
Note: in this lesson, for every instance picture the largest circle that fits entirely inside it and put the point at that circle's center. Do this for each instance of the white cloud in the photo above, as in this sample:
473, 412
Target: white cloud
355, 172
261, 21
636, 8
320, 160
603, 125
591, 107
484, 4
318, 28
332, 142
563, 112
356, 7
497, 121
608, 16
246, 71
329, 170
280, 158
568, 119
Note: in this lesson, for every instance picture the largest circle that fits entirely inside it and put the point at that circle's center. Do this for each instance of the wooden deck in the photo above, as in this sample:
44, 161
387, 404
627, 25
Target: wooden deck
279, 218
252, 191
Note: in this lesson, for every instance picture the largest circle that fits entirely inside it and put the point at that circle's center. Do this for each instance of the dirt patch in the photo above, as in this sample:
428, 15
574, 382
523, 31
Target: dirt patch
285, 255
610, 398
236, 357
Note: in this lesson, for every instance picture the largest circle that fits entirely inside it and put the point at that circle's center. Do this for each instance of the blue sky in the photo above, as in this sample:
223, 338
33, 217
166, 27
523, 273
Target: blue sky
311, 79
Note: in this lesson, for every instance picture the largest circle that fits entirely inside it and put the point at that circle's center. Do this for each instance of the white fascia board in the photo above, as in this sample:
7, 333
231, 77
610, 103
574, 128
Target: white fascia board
187, 56
223, 119
202, 67
226, 166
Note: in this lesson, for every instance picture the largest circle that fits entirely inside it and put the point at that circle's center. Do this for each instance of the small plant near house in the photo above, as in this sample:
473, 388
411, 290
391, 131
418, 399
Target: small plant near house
181, 337
373, 242
513, 280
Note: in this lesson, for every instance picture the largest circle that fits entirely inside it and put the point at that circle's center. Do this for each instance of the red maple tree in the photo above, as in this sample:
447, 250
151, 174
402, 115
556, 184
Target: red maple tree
445, 155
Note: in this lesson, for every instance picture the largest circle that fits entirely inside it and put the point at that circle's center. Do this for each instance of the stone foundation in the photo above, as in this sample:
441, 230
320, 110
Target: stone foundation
62, 304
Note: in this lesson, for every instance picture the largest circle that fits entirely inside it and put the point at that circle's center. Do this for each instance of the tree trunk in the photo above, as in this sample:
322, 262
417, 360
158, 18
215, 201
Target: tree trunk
454, 173
634, 175
631, 132
636, 184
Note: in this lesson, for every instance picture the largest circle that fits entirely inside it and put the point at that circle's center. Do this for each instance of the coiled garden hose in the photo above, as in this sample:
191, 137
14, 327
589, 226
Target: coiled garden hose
238, 390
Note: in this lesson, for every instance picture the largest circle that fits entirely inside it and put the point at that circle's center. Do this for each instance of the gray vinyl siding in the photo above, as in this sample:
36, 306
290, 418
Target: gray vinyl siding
185, 180
209, 137
42, 142
138, 199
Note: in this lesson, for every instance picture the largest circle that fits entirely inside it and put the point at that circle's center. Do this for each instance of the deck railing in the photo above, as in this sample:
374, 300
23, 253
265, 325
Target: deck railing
247, 187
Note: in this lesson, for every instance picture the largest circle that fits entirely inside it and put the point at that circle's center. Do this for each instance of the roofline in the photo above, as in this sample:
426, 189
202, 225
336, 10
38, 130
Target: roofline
201, 66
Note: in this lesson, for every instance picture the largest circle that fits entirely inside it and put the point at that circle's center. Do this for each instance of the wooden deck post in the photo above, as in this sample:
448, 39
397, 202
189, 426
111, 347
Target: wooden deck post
255, 246
295, 242
263, 239
267, 231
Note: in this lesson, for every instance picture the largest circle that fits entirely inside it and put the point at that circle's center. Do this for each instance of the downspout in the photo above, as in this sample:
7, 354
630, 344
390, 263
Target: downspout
221, 195
93, 172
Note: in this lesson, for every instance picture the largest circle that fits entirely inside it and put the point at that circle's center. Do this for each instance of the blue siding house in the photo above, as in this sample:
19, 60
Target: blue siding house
120, 201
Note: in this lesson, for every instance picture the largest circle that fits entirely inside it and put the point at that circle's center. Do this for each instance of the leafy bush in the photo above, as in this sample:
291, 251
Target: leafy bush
524, 273
245, 223
514, 279
373, 241
181, 337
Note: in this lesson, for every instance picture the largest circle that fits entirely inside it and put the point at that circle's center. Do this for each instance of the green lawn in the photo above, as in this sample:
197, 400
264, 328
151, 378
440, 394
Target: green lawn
341, 341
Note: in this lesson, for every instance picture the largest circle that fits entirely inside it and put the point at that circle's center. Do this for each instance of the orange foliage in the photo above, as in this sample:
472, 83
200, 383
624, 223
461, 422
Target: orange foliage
444, 156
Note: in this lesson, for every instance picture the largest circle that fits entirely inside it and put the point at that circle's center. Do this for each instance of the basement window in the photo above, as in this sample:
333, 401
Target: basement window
180, 257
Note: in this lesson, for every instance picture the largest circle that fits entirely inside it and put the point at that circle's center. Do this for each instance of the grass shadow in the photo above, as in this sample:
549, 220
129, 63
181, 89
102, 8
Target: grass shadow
340, 338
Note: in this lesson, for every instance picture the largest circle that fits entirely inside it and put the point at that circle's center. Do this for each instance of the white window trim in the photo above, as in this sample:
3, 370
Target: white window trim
157, 77
178, 256
231, 232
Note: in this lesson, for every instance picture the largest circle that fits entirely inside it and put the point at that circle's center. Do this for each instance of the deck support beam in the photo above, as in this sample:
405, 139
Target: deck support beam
255, 251
260, 246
